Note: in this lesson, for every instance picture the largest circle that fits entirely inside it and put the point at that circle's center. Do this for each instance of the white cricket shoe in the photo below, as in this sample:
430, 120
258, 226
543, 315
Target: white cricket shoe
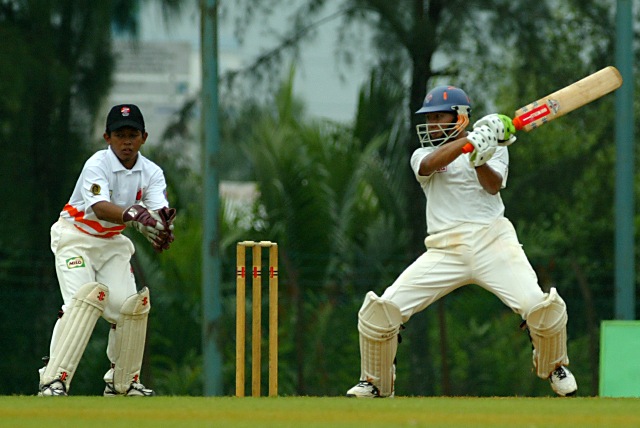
563, 382
364, 389
135, 390
54, 389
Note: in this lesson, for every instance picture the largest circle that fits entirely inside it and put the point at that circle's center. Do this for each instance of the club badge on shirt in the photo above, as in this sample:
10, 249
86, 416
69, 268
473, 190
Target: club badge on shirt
95, 189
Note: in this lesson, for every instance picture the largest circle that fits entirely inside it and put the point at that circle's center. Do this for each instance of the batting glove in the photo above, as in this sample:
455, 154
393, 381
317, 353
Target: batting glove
501, 125
484, 142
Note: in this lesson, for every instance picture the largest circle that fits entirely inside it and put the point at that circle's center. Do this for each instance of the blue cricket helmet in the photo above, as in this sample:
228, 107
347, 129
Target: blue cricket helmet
446, 98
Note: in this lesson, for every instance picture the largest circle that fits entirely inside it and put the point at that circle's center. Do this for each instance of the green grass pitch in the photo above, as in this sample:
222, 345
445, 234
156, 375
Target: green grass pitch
310, 412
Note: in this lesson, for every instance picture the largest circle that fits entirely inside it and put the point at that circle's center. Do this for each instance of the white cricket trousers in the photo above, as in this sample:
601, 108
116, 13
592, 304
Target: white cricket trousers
82, 258
487, 255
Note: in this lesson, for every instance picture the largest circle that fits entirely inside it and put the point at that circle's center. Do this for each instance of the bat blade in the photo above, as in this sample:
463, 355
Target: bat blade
565, 100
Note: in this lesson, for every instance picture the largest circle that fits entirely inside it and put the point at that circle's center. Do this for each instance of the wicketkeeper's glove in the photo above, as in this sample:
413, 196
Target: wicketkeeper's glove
151, 225
165, 216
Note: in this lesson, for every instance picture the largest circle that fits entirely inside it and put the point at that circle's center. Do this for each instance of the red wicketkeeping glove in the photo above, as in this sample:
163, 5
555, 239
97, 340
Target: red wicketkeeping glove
147, 224
165, 216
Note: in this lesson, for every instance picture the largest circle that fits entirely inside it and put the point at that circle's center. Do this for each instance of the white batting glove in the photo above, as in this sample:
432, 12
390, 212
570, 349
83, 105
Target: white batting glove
484, 142
501, 125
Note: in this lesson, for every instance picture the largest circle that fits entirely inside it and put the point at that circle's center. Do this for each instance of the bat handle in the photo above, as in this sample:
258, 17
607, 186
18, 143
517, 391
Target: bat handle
518, 122
467, 148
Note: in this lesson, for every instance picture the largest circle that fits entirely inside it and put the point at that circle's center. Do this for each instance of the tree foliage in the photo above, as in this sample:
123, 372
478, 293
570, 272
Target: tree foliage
328, 206
339, 198
502, 53
56, 65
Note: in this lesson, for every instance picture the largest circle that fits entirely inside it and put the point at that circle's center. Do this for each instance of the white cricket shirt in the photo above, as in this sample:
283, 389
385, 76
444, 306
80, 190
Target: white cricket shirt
454, 194
104, 178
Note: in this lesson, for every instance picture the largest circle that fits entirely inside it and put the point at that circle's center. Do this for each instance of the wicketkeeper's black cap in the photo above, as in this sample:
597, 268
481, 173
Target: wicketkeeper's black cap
125, 115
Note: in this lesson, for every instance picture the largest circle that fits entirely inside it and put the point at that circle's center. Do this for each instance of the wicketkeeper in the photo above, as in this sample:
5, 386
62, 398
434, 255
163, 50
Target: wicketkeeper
469, 242
118, 187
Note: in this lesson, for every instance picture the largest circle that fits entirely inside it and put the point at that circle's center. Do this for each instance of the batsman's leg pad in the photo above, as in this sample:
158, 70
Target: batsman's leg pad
74, 331
130, 335
547, 324
379, 321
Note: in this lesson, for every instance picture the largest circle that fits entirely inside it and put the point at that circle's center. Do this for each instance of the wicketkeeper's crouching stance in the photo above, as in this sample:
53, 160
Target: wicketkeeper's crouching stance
117, 187
469, 242
126, 309
126, 312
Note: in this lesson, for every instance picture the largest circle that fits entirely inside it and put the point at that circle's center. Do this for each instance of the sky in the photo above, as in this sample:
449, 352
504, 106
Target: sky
327, 90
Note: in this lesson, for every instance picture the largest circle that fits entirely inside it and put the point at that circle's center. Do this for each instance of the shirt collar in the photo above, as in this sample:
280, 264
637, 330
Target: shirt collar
116, 165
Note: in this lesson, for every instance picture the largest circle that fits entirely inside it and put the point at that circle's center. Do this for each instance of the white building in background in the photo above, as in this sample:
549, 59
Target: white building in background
156, 76
166, 66
161, 70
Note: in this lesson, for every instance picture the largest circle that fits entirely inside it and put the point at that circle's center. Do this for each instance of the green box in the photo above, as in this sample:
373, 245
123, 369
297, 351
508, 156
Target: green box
620, 359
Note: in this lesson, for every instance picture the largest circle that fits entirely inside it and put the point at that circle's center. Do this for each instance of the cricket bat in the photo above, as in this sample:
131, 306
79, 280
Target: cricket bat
565, 100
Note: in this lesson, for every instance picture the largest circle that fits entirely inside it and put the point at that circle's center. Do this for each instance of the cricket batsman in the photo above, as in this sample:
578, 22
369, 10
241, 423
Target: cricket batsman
469, 241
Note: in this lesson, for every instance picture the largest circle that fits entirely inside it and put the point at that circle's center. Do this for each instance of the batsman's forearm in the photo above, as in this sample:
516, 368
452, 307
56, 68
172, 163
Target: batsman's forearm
490, 180
441, 157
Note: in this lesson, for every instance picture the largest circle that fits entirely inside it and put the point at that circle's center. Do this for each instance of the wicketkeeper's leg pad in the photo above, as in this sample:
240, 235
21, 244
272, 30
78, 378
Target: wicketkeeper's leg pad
379, 322
130, 336
74, 331
547, 324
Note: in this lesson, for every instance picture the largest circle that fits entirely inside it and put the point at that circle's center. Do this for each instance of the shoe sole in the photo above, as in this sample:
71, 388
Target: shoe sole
359, 396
